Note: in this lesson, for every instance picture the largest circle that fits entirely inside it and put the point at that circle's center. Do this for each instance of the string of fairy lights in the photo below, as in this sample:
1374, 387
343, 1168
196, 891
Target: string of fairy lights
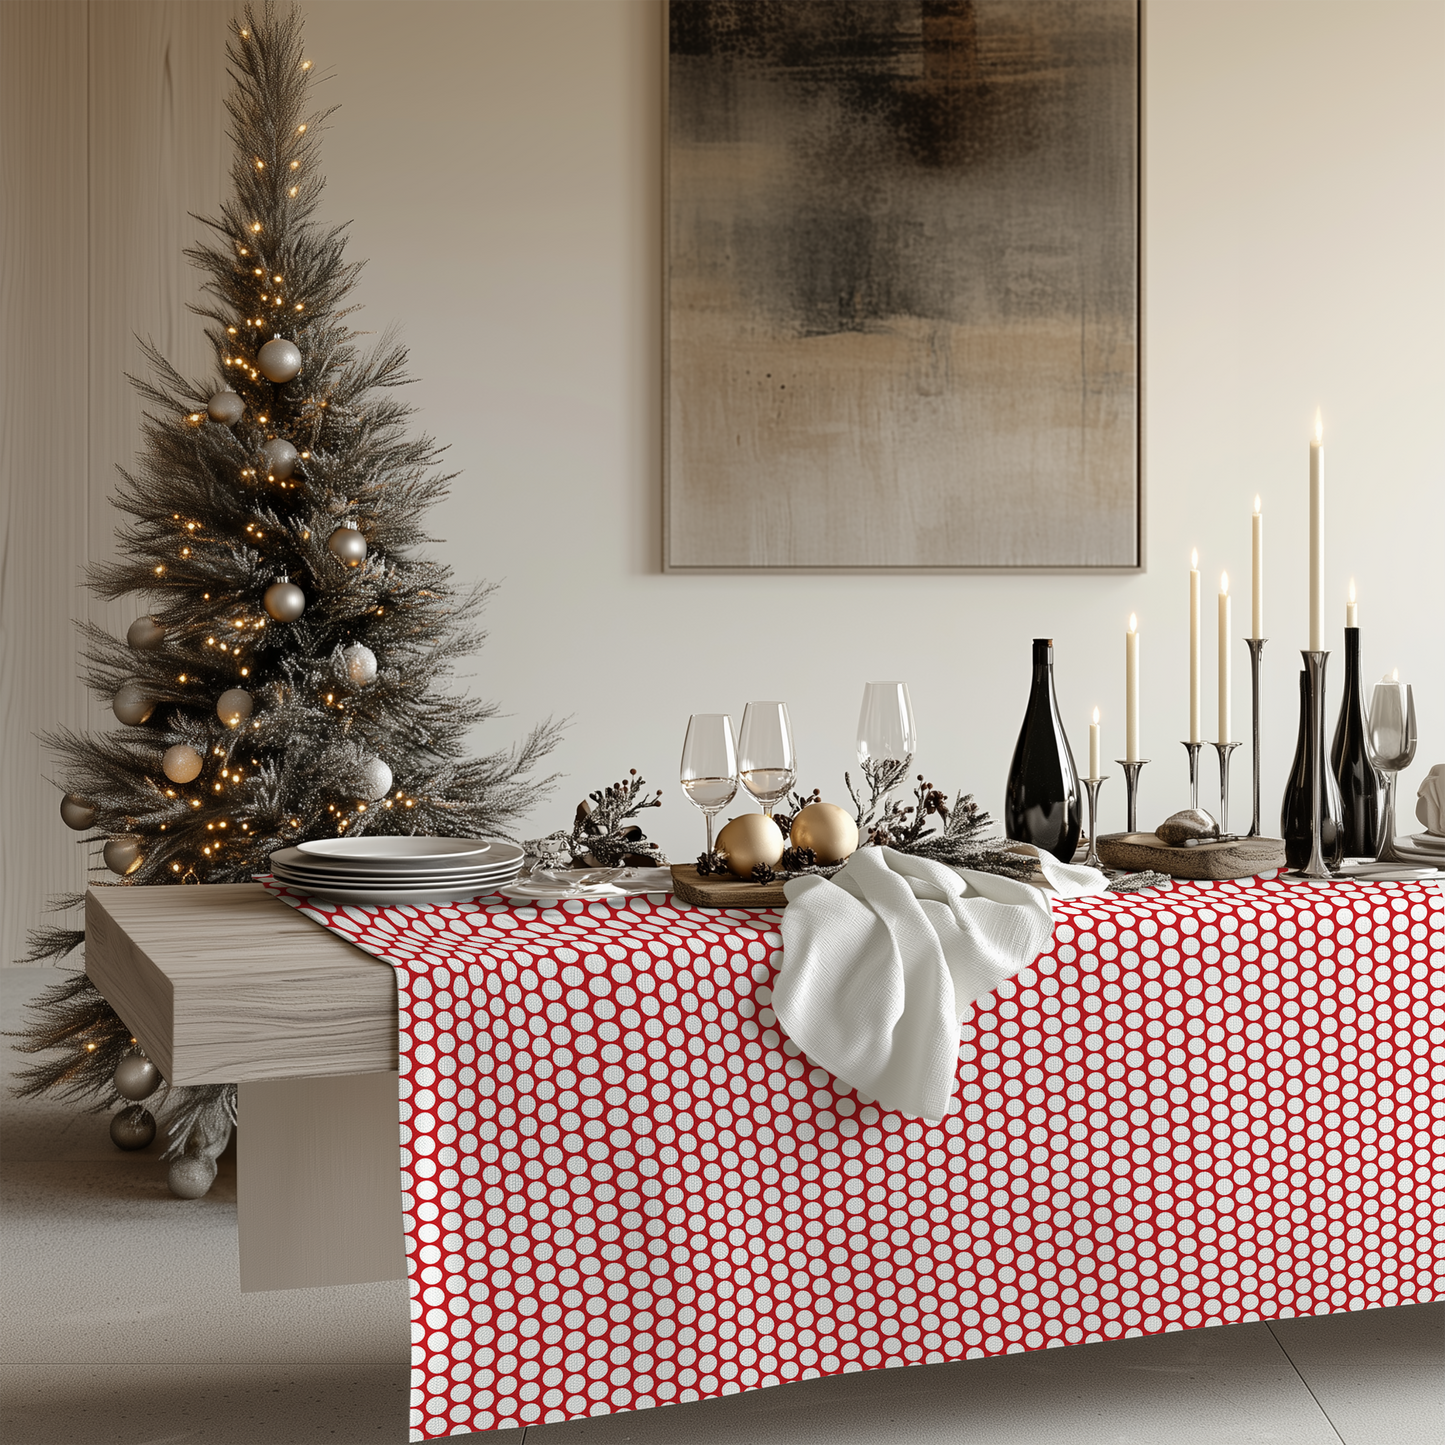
196, 780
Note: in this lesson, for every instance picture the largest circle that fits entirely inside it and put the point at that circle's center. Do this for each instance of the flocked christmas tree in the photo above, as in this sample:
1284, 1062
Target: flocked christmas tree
289, 678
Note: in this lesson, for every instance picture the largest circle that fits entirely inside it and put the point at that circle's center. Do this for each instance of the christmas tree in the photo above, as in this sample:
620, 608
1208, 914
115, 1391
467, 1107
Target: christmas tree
289, 680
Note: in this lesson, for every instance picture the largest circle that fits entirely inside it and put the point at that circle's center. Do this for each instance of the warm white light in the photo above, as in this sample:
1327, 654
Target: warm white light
1224, 584
1256, 506
1319, 427
1194, 559
1096, 716
1352, 589
1133, 623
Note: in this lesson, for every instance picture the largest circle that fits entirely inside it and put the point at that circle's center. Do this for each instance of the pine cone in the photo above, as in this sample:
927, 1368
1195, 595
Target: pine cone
795, 860
763, 874
710, 863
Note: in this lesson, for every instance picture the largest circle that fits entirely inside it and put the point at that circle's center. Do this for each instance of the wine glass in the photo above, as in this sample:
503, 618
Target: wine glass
1390, 740
709, 772
886, 731
766, 763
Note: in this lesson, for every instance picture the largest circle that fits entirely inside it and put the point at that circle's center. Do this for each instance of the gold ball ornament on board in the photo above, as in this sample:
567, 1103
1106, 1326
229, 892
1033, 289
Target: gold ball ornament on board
233, 706
226, 408
123, 855
145, 634
284, 601
827, 830
347, 545
181, 763
281, 458
749, 840
77, 812
131, 705
279, 360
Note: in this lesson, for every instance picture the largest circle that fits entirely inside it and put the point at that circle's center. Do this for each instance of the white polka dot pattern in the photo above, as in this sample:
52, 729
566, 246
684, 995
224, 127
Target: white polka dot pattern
623, 1186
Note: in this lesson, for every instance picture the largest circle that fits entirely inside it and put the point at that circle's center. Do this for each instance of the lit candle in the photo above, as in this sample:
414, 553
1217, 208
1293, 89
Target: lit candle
1131, 691
1094, 746
1257, 577
1317, 537
1352, 608
1194, 646
1224, 658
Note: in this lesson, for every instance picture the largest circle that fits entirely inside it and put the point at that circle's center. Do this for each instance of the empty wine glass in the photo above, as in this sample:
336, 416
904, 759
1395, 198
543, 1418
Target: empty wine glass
1390, 738
709, 772
886, 731
766, 763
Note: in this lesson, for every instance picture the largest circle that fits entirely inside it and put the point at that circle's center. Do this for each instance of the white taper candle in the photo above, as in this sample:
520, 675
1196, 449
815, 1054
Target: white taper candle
1131, 691
1224, 673
1317, 538
1194, 700
1257, 572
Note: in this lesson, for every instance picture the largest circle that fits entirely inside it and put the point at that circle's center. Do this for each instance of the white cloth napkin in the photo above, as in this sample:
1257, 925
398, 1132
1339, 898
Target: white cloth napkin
880, 961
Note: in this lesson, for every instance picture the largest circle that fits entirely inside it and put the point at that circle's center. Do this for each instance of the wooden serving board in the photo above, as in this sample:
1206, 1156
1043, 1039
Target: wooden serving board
714, 892
1242, 858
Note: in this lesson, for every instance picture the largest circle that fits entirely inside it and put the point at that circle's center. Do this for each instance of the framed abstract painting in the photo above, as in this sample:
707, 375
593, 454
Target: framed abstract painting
902, 290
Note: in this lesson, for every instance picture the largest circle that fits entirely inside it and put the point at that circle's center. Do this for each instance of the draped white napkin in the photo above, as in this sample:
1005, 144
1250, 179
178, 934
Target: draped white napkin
880, 961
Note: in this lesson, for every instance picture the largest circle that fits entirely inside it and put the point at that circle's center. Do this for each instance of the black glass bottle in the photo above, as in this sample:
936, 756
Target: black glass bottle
1294, 813
1350, 763
1041, 803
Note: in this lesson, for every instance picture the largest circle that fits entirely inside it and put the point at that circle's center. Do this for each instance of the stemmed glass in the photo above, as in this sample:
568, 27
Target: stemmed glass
709, 772
886, 731
766, 763
1390, 739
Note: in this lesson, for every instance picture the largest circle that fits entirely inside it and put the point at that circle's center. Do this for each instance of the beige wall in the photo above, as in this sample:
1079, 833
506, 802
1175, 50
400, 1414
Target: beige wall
501, 162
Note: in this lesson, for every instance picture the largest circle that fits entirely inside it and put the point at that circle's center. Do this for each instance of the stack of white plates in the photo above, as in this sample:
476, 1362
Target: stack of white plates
1429, 843
398, 870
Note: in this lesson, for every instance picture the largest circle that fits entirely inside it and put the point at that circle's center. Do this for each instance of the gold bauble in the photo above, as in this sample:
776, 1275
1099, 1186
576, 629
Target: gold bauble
827, 830
749, 840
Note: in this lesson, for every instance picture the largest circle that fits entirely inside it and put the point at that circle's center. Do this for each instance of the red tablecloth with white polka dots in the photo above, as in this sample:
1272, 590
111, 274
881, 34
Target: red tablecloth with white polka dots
624, 1187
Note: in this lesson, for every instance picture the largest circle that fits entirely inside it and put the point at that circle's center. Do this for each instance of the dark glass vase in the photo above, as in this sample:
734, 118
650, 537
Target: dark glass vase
1350, 763
1041, 803
1294, 813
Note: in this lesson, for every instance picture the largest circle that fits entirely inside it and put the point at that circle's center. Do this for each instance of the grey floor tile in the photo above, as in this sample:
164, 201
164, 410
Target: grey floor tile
129, 1405
1378, 1374
1199, 1387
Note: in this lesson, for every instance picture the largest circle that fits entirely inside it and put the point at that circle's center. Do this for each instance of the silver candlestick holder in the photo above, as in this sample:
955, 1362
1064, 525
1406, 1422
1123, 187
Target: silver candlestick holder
1091, 858
1316, 867
1256, 648
1131, 789
1224, 750
1193, 750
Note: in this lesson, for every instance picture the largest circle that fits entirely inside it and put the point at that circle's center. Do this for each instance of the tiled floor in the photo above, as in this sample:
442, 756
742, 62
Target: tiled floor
123, 1325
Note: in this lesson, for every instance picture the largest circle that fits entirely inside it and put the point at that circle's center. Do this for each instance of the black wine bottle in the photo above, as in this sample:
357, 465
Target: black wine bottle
1041, 802
1295, 811
1350, 762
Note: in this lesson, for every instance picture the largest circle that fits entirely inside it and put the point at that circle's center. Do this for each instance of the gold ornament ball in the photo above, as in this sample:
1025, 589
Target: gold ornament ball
123, 855
181, 764
77, 812
281, 458
749, 840
233, 706
136, 1078
279, 360
145, 634
347, 545
132, 1128
131, 705
285, 601
226, 408
827, 830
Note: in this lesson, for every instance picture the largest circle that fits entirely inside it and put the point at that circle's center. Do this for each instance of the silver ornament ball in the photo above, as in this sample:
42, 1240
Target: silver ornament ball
374, 782
132, 1128
347, 545
233, 706
281, 458
360, 664
123, 854
131, 705
145, 634
191, 1176
285, 601
77, 812
279, 360
136, 1077
226, 407
181, 763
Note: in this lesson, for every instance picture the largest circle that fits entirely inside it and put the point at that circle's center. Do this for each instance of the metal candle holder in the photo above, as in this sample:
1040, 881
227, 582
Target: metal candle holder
1224, 750
1193, 750
1131, 788
1315, 662
1256, 647
1091, 858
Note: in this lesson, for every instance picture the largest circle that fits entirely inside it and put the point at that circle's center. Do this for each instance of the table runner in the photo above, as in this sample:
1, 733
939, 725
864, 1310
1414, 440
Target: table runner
624, 1188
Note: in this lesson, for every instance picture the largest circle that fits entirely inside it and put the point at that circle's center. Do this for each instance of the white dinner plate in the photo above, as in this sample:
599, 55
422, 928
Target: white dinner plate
1428, 842
405, 850
378, 896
